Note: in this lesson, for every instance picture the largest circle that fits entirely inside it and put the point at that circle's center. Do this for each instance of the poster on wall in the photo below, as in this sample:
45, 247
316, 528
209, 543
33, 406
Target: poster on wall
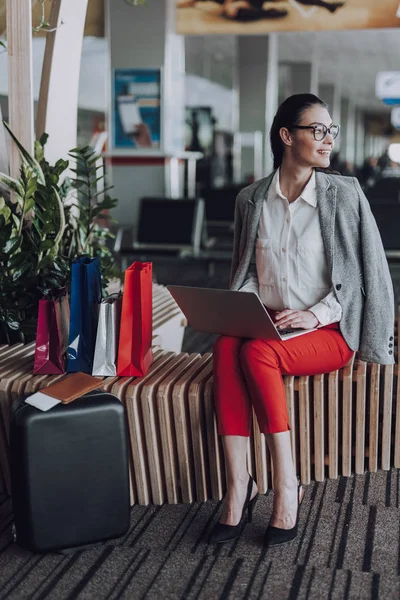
137, 109
202, 17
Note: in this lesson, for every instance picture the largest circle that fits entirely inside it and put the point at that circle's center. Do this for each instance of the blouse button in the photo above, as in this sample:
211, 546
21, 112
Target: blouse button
339, 286
390, 352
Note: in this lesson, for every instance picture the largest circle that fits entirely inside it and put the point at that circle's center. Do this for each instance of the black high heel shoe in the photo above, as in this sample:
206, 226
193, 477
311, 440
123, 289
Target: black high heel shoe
226, 533
276, 535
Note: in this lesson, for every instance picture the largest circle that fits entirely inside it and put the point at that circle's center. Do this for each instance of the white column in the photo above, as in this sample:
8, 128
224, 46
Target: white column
174, 86
253, 52
360, 138
272, 91
344, 116
58, 98
350, 149
300, 78
315, 66
236, 90
20, 94
326, 92
337, 108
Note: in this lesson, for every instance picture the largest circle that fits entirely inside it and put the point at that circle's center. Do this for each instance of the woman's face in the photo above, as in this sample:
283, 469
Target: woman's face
304, 148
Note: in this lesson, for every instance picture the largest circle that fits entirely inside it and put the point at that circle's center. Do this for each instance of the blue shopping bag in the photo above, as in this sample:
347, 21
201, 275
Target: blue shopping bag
84, 309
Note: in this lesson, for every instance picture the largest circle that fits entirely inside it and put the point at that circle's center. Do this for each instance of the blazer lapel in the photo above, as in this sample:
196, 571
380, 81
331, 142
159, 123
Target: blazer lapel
326, 198
254, 211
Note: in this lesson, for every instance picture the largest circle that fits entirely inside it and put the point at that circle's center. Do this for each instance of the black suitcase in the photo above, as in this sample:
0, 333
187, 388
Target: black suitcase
69, 473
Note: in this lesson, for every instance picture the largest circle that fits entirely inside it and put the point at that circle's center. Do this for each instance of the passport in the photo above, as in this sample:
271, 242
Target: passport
72, 387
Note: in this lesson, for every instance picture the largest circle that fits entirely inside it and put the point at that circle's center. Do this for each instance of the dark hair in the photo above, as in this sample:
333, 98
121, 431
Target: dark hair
289, 115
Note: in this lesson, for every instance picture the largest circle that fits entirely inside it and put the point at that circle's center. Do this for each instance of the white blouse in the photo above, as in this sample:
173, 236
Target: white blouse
292, 271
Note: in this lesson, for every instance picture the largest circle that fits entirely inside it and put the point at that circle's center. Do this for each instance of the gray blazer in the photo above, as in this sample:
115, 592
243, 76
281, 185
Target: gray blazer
359, 271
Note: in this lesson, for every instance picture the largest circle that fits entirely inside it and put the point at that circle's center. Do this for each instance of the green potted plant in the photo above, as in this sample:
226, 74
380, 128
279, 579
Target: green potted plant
44, 226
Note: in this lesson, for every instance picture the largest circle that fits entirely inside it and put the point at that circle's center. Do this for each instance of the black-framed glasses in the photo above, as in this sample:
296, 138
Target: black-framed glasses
320, 130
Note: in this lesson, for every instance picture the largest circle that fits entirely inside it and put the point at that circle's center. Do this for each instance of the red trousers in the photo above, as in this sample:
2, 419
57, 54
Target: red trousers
249, 373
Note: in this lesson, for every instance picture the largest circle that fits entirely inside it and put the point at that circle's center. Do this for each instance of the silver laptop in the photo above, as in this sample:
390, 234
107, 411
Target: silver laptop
225, 312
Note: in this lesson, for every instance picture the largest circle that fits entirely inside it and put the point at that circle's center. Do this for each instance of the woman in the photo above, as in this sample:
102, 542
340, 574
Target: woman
307, 243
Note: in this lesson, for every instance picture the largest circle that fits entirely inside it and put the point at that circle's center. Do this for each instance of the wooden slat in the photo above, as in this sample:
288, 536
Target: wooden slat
23, 365
167, 428
35, 383
304, 430
199, 438
13, 370
17, 392
165, 318
333, 424
347, 412
182, 428
215, 451
11, 357
319, 430
107, 384
118, 388
163, 305
171, 333
250, 457
260, 452
152, 435
128, 390
396, 458
164, 309
374, 417
361, 380
288, 381
388, 372
158, 300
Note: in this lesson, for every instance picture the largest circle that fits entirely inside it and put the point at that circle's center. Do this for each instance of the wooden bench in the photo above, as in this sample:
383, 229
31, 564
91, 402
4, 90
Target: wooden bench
343, 422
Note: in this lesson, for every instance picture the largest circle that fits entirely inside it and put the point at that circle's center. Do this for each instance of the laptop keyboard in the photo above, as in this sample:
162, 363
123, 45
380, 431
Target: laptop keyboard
290, 330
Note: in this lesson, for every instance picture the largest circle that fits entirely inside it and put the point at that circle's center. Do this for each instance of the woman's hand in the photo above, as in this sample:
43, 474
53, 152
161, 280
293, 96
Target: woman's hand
304, 319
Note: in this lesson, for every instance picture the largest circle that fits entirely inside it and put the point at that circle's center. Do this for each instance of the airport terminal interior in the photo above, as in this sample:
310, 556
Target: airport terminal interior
173, 101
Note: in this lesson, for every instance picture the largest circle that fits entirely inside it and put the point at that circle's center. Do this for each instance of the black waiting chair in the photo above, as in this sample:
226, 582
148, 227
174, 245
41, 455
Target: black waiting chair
385, 191
387, 218
166, 227
220, 214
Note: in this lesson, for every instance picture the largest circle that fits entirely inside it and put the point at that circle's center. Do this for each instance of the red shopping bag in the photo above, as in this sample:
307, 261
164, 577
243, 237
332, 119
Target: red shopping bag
52, 334
134, 348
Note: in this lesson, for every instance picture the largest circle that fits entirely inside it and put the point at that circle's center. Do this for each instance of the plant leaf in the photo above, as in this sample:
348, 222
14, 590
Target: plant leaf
18, 273
12, 245
32, 162
13, 184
